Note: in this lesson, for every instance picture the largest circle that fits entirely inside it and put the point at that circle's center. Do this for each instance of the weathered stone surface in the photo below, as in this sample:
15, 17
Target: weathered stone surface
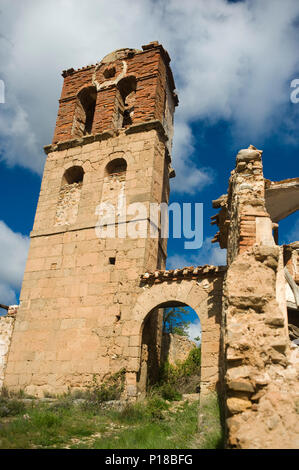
237, 405
177, 347
241, 385
6, 330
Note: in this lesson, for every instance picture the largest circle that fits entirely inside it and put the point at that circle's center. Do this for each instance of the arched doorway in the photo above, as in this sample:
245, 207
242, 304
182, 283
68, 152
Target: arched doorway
170, 349
203, 293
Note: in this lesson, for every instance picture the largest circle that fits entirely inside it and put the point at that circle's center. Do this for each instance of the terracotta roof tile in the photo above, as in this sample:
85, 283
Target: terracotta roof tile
188, 272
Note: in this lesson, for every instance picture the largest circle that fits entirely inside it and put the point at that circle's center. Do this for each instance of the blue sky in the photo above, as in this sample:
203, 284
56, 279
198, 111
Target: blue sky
233, 63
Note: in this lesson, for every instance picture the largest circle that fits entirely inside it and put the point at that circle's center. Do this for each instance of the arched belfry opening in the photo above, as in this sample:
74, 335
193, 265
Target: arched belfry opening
84, 111
116, 168
69, 196
170, 344
126, 92
114, 184
73, 175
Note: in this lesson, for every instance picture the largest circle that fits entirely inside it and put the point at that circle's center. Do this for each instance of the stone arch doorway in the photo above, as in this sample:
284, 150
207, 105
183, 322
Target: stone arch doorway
161, 343
203, 293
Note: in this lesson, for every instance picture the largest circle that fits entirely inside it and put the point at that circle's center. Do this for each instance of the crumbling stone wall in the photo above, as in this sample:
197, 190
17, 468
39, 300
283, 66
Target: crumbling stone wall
176, 348
6, 330
262, 387
243, 218
68, 204
261, 367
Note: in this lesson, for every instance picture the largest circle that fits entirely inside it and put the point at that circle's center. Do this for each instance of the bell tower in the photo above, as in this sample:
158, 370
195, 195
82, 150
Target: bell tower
111, 148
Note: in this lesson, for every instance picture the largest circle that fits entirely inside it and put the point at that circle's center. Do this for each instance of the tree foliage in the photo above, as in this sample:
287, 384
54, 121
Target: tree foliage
174, 322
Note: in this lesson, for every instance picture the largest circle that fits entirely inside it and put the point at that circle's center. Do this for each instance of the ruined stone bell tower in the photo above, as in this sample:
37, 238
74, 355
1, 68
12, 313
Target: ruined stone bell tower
112, 143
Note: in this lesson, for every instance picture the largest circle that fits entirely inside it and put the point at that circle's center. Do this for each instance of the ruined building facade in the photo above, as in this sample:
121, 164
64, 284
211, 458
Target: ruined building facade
91, 305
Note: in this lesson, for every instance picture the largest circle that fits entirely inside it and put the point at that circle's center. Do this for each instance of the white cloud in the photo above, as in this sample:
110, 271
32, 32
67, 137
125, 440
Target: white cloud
7, 295
207, 254
194, 331
13, 255
231, 61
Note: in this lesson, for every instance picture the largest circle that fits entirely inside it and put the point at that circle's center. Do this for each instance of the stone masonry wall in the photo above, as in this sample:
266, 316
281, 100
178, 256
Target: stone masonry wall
73, 321
262, 394
68, 204
262, 370
6, 330
176, 348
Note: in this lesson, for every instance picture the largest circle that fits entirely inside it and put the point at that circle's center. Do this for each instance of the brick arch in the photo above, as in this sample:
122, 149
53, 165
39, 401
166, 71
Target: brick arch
204, 297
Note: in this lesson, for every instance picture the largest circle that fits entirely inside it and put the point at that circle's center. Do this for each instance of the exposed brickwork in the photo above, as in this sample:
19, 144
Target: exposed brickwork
149, 67
243, 206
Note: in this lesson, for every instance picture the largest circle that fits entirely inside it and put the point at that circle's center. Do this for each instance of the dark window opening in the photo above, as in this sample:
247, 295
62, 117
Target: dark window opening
84, 113
126, 98
127, 120
111, 260
73, 175
293, 324
116, 167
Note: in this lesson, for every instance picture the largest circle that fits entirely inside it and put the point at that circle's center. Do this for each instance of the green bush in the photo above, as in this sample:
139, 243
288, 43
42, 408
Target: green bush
62, 404
11, 407
110, 389
168, 392
46, 419
155, 407
177, 375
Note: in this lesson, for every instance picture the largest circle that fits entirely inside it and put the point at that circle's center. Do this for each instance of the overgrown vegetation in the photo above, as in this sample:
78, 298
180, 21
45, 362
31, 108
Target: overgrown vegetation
111, 389
184, 377
210, 432
151, 424
10, 407
82, 420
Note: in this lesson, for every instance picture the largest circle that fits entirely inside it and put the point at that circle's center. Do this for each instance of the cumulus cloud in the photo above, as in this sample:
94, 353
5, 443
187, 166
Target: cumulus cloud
7, 296
207, 254
194, 331
13, 255
231, 60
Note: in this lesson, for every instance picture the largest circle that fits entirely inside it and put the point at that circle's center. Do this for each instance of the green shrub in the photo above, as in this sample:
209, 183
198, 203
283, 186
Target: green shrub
179, 375
11, 407
46, 419
168, 392
110, 389
62, 404
132, 413
155, 407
